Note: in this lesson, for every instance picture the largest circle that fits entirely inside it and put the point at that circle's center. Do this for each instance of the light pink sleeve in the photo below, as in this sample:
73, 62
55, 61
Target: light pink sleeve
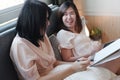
65, 39
24, 59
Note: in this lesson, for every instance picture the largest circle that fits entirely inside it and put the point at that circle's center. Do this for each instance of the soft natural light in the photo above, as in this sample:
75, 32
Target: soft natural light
9, 3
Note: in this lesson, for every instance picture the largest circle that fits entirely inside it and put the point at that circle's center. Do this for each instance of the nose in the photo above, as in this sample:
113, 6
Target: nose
69, 16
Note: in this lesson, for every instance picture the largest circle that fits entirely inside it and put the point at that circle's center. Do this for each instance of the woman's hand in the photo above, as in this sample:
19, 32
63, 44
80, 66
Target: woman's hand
81, 64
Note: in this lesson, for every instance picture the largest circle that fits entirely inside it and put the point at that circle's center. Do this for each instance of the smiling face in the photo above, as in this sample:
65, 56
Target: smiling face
69, 18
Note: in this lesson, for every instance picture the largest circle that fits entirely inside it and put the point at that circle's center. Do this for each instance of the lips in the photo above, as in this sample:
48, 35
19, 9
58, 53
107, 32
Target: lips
69, 22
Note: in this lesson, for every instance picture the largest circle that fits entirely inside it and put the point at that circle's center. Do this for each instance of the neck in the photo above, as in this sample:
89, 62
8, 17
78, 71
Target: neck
72, 29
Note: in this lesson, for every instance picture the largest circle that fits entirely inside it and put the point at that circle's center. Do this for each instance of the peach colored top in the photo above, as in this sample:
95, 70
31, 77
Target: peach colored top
30, 61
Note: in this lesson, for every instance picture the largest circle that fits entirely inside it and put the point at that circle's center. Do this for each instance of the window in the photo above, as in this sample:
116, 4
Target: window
9, 9
9, 3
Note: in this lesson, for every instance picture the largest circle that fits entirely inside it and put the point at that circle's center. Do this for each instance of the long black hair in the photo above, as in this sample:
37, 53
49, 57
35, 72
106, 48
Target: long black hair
62, 9
31, 23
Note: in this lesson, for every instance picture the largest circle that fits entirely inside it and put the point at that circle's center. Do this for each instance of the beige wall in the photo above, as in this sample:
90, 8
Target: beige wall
104, 14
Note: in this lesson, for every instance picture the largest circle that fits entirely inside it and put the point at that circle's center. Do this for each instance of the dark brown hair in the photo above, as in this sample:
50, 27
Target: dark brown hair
31, 23
62, 9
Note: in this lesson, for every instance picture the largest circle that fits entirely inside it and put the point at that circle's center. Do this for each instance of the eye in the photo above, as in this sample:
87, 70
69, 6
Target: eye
65, 14
72, 13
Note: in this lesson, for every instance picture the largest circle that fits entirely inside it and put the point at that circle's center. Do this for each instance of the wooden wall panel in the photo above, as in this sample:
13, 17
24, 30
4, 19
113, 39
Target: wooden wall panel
79, 6
109, 24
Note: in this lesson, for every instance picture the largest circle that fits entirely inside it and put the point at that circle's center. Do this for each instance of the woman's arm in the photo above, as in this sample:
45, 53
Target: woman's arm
75, 67
61, 62
58, 75
68, 56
